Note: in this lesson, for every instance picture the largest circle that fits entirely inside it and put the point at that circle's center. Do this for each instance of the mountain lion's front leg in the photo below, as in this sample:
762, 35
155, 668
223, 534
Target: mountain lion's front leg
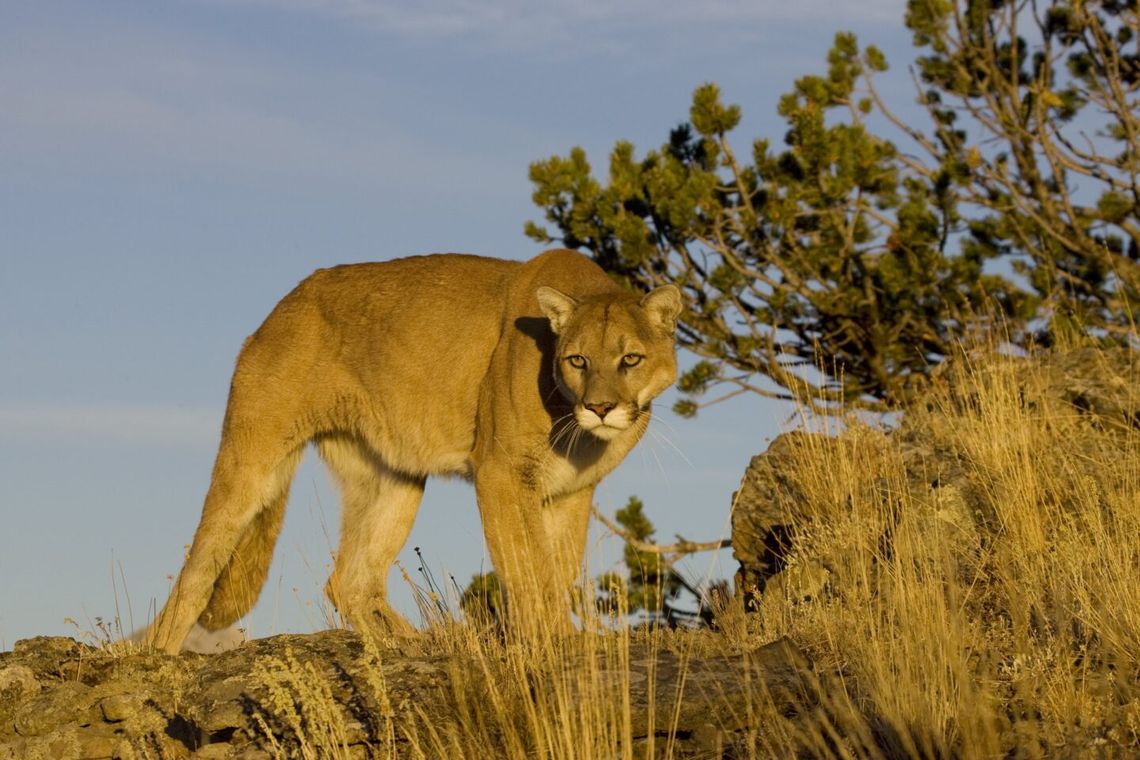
520, 551
566, 521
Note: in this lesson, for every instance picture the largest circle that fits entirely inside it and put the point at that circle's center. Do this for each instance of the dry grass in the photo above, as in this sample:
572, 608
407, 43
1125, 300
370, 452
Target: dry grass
539, 694
998, 616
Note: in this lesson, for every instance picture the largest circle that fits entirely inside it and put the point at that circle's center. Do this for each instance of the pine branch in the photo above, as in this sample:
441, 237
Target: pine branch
681, 548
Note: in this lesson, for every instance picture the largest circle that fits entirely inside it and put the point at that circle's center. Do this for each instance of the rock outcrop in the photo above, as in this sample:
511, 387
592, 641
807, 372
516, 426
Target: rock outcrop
1087, 388
63, 699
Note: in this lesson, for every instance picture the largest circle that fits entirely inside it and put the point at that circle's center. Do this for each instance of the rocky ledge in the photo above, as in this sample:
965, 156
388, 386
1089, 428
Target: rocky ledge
63, 699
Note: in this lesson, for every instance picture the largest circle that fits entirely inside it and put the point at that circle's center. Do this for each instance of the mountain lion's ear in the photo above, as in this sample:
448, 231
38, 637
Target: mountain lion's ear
663, 305
557, 306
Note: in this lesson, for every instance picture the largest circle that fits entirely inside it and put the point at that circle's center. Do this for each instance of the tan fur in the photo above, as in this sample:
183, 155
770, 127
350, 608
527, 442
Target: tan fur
532, 379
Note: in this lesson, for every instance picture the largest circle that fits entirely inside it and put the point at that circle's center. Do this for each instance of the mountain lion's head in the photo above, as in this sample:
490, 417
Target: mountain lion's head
614, 353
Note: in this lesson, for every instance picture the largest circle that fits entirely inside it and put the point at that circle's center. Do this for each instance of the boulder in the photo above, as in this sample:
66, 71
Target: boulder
1081, 389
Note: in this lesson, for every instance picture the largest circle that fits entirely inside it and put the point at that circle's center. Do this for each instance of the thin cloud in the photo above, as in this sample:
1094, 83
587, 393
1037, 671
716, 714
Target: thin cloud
195, 114
110, 423
531, 22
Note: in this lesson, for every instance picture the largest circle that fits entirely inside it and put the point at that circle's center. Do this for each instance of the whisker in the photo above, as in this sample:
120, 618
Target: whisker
550, 395
665, 421
560, 433
659, 436
653, 452
575, 436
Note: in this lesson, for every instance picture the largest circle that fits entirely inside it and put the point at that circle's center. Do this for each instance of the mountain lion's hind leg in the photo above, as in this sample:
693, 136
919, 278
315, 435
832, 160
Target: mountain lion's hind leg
379, 507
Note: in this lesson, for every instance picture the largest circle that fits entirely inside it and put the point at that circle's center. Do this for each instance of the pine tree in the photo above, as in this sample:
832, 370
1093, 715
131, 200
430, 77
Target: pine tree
839, 269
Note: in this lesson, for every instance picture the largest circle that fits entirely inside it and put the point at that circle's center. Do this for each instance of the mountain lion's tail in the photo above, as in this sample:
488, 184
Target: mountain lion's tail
237, 588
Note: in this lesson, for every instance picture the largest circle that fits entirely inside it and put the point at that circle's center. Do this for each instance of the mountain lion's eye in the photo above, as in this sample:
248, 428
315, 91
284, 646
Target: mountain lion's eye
631, 360
576, 361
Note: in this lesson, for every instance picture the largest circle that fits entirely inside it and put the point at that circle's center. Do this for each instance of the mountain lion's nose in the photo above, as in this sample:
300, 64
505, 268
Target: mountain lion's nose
601, 409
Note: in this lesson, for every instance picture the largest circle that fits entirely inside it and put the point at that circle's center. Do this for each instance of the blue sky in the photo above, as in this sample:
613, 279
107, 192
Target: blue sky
169, 170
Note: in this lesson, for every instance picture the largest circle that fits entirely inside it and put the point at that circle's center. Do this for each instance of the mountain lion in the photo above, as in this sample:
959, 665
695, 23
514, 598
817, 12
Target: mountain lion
533, 379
